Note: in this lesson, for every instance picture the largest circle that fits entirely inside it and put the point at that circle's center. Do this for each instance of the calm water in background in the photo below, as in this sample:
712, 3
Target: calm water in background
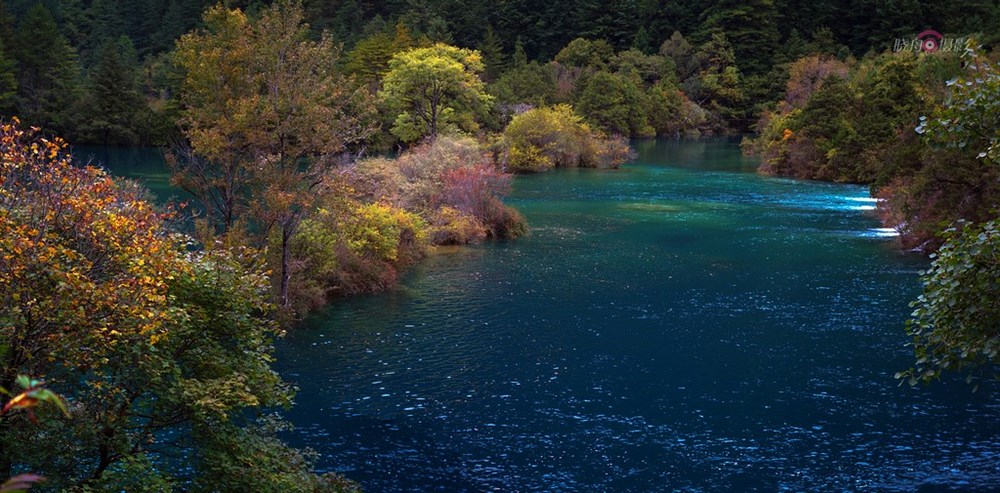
145, 164
680, 324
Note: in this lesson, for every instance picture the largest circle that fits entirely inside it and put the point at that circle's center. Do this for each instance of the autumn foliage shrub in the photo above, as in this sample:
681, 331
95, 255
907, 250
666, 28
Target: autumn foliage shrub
475, 191
415, 177
449, 226
380, 215
610, 152
79, 251
544, 138
162, 350
451, 182
808, 74
354, 247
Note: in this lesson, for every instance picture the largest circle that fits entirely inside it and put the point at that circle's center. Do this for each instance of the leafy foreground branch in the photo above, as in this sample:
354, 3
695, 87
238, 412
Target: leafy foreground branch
956, 321
164, 355
955, 324
34, 394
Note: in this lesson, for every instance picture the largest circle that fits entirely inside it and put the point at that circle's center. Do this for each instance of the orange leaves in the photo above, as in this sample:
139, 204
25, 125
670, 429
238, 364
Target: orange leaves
34, 394
82, 259
807, 74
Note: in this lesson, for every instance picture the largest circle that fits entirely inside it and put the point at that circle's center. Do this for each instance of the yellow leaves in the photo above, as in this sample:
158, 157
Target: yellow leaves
87, 254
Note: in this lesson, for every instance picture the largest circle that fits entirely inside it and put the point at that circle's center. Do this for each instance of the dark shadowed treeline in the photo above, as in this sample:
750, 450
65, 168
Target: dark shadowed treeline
100, 71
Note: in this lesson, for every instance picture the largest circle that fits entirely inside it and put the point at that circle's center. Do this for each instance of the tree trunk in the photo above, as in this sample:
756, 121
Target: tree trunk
104, 459
286, 235
434, 119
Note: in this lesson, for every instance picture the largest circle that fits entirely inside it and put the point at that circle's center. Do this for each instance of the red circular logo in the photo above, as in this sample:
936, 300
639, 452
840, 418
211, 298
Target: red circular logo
930, 40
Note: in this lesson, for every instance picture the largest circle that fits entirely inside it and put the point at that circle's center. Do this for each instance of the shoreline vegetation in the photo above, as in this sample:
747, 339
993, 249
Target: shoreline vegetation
910, 127
161, 342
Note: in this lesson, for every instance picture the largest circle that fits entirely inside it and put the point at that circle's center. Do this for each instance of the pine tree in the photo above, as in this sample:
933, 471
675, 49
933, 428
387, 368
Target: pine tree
643, 41
520, 58
493, 56
369, 59
179, 16
149, 16
108, 23
437, 31
48, 75
6, 26
751, 27
114, 101
8, 82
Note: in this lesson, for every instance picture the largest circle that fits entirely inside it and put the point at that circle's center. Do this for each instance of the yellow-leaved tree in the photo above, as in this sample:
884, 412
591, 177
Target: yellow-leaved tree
160, 352
267, 114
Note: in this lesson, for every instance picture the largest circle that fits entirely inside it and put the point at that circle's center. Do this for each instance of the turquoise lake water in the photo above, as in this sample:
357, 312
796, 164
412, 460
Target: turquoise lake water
681, 324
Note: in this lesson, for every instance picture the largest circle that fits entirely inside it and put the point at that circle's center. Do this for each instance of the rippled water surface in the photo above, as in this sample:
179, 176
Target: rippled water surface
681, 324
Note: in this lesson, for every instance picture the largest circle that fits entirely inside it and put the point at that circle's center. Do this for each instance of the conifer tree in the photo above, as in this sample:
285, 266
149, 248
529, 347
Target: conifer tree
520, 58
8, 82
494, 58
751, 28
49, 73
114, 102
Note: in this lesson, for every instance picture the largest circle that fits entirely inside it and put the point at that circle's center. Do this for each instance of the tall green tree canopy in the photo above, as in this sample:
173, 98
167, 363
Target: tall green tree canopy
614, 104
750, 26
434, 88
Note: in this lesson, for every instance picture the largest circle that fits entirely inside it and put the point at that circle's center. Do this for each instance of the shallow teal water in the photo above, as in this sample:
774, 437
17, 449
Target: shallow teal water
681, 324
145, 164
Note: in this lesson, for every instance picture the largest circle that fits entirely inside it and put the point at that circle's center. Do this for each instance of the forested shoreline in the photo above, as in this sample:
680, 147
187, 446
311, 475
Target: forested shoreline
274, 117
103, 72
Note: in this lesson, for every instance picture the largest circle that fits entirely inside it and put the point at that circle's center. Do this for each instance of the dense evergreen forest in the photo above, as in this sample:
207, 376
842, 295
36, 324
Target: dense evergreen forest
156, 323
101, 72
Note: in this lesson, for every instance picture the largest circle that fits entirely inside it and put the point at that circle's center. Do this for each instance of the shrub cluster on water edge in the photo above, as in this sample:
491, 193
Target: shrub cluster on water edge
548, 137
383, 214
164, 354
380, 215
860, 122
349, 247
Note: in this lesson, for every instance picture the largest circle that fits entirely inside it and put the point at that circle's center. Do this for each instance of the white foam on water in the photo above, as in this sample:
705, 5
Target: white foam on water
883, 232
